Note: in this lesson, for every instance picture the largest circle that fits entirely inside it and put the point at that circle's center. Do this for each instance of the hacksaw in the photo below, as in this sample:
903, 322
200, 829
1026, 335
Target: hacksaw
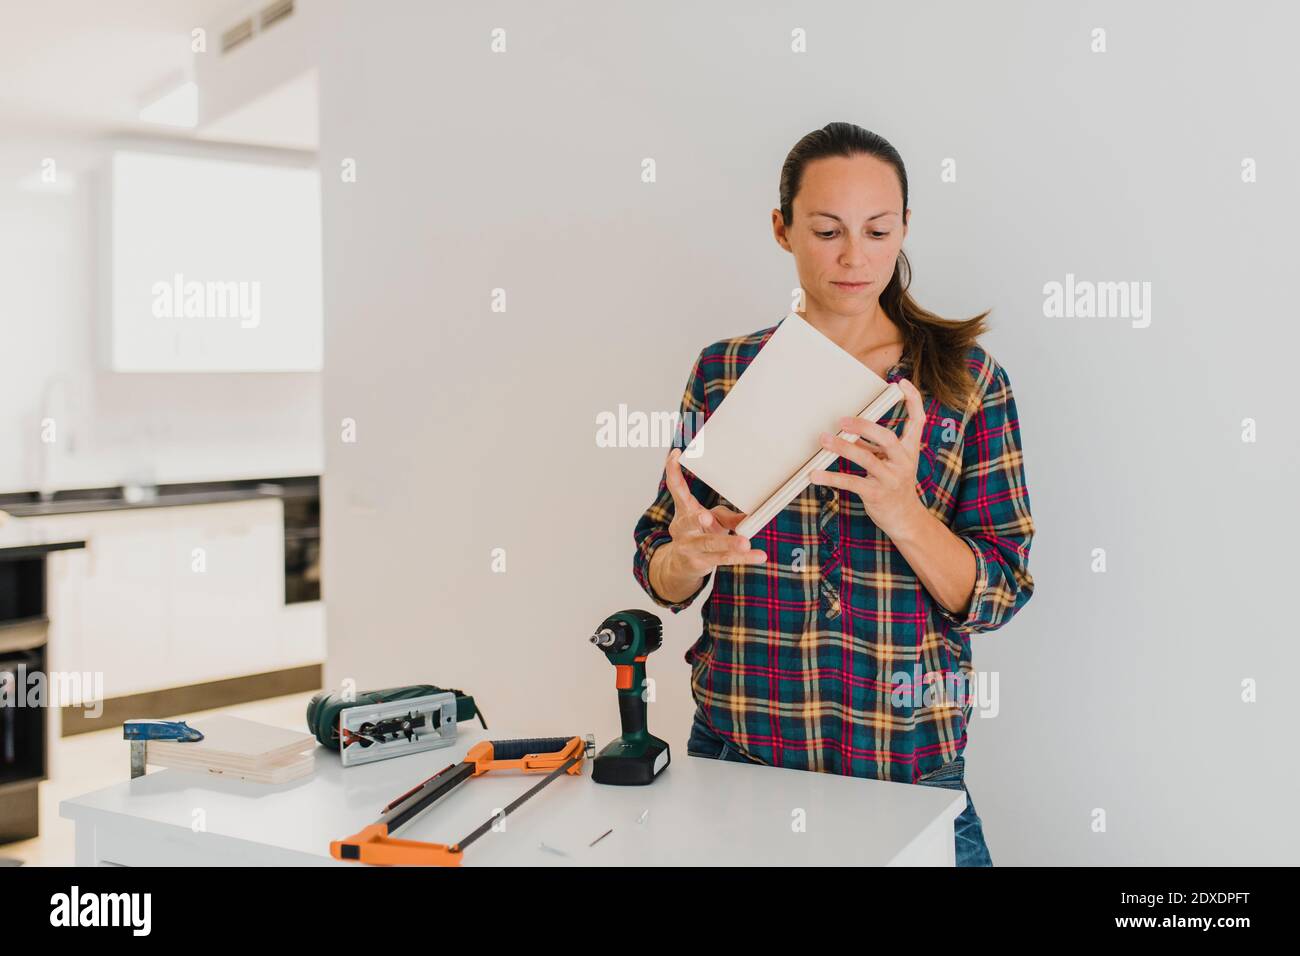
377, 843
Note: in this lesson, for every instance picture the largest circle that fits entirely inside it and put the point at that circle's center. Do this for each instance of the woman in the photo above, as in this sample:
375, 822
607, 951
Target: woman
838, 638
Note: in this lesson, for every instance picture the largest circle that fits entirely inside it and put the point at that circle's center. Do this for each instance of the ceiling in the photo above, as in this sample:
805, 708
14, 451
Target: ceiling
87, 66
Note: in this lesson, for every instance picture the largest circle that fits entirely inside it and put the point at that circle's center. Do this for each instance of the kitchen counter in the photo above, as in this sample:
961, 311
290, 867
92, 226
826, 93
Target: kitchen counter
197, 597
77, 501
18, 540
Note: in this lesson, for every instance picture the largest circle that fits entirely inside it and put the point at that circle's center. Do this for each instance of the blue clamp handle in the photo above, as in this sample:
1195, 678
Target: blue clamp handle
160, 730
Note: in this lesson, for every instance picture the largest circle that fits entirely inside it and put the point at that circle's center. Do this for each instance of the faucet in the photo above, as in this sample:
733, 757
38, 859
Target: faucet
54, 400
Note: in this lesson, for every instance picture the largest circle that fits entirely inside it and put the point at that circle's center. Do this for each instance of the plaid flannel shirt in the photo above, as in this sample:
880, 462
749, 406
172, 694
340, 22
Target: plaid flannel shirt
832, 656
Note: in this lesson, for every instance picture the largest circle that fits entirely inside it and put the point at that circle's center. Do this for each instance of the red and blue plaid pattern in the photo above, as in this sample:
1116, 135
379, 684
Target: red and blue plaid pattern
832, 656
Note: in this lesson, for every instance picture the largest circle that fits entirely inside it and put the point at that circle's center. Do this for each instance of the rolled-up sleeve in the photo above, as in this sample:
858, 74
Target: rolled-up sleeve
651, 531
992, 513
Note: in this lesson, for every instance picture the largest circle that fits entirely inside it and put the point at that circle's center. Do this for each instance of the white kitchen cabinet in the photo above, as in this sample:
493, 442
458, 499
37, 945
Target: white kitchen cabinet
171, 596
232, 284
109, 609
225, 565
302, 634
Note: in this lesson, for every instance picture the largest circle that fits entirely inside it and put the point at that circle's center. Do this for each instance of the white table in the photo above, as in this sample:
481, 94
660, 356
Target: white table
701, 812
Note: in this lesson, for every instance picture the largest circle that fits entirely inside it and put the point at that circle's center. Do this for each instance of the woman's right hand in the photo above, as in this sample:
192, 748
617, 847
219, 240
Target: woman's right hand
701, 538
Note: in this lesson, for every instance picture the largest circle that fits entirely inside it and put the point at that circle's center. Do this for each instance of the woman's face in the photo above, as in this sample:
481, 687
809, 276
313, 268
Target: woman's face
848, 227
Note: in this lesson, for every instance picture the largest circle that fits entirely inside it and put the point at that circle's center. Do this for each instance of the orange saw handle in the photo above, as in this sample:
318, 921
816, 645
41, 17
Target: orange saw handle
529, 754
374, 845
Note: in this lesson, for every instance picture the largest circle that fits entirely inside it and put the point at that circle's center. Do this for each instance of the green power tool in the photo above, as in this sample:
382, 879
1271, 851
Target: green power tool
635, 758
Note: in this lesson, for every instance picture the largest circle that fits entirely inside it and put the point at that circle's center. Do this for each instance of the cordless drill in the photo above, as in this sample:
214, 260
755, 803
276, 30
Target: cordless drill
635, 758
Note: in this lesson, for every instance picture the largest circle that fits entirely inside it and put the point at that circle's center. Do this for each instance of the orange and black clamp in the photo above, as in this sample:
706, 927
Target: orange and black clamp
636, 758
554, 756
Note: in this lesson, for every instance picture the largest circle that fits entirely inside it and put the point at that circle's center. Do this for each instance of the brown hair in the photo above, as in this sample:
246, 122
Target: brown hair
936, 346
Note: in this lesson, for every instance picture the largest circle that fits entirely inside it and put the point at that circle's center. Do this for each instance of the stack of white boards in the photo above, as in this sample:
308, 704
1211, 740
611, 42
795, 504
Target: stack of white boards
238, 748
760, 447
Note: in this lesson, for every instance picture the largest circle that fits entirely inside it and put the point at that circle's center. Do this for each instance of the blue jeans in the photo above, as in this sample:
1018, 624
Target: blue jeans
967, 828
968, 831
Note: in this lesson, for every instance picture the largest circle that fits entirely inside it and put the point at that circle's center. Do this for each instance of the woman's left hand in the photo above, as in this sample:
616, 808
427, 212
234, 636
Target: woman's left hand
888, 492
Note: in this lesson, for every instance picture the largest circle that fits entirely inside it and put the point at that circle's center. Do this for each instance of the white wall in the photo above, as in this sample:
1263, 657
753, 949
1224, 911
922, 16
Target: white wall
1119, 691
116, 427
